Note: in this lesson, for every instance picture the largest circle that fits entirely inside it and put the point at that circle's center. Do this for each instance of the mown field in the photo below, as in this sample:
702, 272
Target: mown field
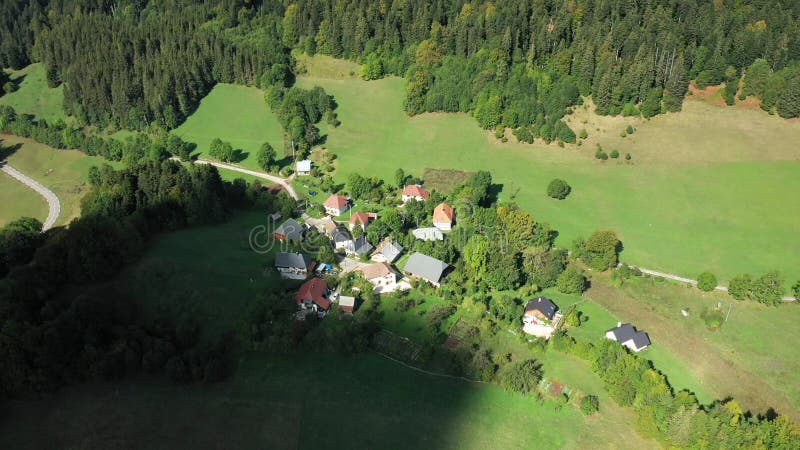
707, 188
33, 96
18, 200
65, 172
235, 114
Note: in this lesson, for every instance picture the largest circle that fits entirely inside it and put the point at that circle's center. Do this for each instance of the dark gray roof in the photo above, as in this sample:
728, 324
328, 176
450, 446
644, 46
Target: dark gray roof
626, 332
293, 260
361, 246
543, 305
426, 267
339, 234
291, 229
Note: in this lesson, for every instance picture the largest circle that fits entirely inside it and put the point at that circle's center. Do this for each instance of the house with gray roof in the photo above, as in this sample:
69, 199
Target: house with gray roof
627, 336
428, 234
342, 241
290, 230
360, 246
426, 268
387, 251
294, 266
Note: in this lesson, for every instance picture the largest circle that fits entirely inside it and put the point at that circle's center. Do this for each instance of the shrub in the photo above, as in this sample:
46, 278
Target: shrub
739, 287
706, 281
521, 376
615, 154
713, 319
571, 281
630, 129
623, 134
627, 156
583, 134
558, 189
796, 289
601, 155
590, 405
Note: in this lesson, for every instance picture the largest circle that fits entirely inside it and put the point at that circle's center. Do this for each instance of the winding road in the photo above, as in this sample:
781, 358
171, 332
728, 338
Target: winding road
284, 182
53, 204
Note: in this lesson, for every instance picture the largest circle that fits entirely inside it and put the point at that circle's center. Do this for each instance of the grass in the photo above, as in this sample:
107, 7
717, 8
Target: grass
33, 96
18, 200
749, 358
235, 114
304, 401
65, 172
444, 180
721, 210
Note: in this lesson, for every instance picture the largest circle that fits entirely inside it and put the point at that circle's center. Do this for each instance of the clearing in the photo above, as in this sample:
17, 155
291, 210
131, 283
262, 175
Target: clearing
33, 96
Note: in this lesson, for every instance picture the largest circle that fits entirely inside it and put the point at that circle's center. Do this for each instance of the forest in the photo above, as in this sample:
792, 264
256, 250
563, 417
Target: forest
510, 63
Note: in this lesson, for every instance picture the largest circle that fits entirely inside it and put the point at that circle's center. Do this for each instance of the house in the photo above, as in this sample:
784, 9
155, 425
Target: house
627, 335
360, 246
347, 304
443, 217
290, 230
540, 318
295, 266
328, 225
416, 192
428, 234
380, 275
303, 167
426, 268
342, 241
313, 295
387, 251
335, 205
362, 219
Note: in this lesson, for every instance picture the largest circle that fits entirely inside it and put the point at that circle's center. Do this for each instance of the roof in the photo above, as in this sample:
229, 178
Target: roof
329, 225
376, 270
415, 190
294, 260
542, 304
304, 165
314, 290
425, 266
428, 234
291, 229
362, 246
336, 202
390, 250
626, 332
348, 304
443, 213
362, 218
339, 235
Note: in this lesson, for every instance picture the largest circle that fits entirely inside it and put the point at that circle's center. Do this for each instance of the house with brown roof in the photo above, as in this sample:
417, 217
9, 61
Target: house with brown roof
416, 192
443, 216
361, 219
380, 275
347, 304
313, 296
336, 205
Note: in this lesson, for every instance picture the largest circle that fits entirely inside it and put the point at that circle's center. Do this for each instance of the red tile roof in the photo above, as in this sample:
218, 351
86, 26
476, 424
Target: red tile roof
443, 213
362, 218
413, 190
313, 290
336, 201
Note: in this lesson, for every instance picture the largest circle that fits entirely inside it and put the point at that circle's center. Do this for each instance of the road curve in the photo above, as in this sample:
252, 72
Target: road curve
53, 204
670, 276
278, 180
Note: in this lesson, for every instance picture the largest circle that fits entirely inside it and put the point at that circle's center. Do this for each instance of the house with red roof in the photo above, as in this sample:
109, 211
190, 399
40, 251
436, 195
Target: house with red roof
313, 296
336, 205
361, 219
416, 192
443, 216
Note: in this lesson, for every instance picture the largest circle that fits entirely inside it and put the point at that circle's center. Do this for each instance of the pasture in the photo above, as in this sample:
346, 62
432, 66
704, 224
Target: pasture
65, 172
726, 208
33, 96
235, 114
18, 200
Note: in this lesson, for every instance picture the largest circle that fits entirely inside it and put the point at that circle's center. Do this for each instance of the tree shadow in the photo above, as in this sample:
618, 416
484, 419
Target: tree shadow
239, 155
493, 193
8, 150
17, 82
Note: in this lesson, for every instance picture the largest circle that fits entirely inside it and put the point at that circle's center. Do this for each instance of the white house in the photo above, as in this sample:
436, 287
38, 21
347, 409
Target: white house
627, 336
540, 318
387, 251
443, 217
428, 234
336, 205
416, 192
342, 241
295, 266
303, 167
380, 275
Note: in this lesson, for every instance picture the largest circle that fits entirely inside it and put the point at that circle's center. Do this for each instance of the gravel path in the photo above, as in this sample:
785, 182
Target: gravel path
53, 204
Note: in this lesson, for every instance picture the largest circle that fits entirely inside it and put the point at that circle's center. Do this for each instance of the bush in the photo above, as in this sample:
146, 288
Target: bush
590, 405
739, 287
571, 281
583, 134
601, 155
630, 129
706, 281
713, 319
615, 154
558, 189
627, 156
521, 376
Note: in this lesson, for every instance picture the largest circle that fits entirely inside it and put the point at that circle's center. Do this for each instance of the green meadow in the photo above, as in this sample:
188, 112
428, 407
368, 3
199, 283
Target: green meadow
33, 96
235, 114
709, 212
17, 200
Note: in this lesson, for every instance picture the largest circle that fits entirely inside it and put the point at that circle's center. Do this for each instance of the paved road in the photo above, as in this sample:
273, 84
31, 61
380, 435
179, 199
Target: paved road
670, 276
284, 182
52, 201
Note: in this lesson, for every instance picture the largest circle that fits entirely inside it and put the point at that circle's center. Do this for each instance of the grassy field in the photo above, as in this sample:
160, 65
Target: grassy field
235, 114
305, 401
33, 96
18, 200
751, 357
725, 209
62, 171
